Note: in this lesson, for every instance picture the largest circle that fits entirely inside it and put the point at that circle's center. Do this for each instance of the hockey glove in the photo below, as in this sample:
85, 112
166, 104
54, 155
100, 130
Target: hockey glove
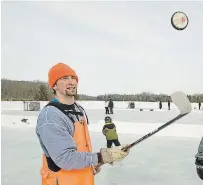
110, 155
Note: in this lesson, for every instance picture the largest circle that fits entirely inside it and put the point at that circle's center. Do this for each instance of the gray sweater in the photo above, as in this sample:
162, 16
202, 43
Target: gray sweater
55, 132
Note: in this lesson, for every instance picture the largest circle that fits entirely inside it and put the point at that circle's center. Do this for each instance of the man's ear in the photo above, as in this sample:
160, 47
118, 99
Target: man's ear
54, 87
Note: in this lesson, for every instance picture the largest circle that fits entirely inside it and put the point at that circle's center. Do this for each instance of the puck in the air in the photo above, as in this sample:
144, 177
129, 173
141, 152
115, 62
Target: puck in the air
179, 20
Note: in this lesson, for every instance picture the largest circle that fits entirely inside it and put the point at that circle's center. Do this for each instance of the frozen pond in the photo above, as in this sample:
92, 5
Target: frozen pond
161, 160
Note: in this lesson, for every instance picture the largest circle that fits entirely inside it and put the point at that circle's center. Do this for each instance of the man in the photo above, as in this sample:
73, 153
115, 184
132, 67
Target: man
160, 104
111, 106
199, 160
169, 104
199, 105
64, 138
109, 130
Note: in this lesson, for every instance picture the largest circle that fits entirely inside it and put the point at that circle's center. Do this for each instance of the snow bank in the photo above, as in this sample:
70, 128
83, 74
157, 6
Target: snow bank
174, 130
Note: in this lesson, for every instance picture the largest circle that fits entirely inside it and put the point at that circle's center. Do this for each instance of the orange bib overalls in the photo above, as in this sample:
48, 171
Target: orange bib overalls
71, 177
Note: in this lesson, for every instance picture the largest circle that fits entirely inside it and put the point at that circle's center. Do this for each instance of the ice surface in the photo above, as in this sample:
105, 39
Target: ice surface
164, 159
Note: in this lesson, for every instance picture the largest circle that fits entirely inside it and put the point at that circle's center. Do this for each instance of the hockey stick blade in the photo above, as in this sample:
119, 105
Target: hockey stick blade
183, 104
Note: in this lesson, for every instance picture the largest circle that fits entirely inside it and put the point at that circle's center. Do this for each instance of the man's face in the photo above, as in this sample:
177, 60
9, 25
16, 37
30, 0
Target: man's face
66, 86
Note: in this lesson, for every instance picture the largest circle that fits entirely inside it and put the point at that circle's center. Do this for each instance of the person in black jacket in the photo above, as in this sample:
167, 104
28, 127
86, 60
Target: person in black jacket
160, 104
199, 160
169, 105
111, 106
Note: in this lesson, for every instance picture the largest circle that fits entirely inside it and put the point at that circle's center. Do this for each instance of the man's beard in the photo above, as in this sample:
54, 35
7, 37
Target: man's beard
73, 93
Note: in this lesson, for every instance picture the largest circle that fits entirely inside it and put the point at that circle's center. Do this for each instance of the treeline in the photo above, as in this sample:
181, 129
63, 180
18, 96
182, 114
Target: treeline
12, 90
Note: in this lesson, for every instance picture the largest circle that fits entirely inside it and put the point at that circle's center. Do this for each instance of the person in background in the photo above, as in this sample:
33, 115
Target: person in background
160, 104
106, 107
169, 104
199, 105
64, 137
109, 130
111, 106
199, 160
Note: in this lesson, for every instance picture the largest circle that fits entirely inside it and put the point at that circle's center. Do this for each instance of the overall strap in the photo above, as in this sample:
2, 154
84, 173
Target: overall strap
63, 108
83, 111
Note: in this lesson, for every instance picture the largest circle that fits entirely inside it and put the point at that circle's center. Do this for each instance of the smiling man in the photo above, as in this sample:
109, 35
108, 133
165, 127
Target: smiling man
64, 137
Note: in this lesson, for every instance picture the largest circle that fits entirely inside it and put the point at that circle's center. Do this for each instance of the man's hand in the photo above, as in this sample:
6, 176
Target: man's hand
110, 155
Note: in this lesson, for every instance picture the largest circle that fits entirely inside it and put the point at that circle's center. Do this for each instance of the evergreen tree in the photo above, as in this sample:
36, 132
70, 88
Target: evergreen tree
42, 94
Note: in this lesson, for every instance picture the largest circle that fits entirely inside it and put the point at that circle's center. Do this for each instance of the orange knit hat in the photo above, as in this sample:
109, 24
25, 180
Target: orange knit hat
58, 71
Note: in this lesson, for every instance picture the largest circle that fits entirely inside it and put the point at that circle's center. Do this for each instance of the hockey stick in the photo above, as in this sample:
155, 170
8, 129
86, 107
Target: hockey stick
183, 104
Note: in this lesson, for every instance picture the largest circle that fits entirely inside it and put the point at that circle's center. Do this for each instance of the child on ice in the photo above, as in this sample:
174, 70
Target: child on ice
109, 130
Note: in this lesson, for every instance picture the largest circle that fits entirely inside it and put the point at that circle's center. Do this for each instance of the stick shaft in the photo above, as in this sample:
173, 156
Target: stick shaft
154, 131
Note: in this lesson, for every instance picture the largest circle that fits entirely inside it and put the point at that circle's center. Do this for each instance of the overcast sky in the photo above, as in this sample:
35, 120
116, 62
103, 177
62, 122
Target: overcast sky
115, 47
